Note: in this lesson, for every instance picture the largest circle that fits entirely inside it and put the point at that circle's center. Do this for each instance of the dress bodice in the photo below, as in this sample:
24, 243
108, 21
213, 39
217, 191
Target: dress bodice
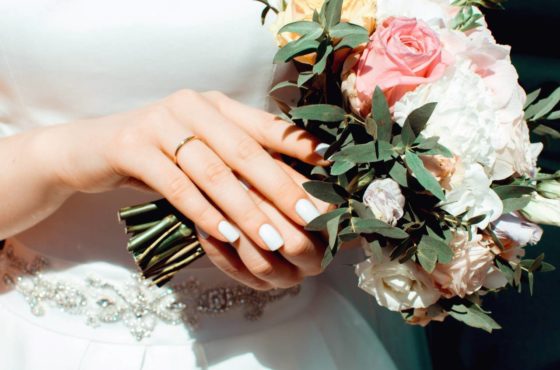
66, 60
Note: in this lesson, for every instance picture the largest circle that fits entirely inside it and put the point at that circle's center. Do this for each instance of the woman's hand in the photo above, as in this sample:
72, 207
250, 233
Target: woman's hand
138, 147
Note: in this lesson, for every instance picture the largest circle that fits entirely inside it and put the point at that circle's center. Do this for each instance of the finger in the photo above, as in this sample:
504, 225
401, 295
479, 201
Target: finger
267, 266
302, 249
218, 182
226, 259
271, 131
248, 158
155, 170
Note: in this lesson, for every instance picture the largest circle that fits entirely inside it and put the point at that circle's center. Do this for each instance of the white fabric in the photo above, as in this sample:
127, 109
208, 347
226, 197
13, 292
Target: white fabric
62, 60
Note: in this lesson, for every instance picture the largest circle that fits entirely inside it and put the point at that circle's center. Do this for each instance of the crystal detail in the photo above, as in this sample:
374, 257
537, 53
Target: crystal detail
136, 303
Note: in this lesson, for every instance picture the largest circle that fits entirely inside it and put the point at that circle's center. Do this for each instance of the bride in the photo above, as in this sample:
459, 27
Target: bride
100, 98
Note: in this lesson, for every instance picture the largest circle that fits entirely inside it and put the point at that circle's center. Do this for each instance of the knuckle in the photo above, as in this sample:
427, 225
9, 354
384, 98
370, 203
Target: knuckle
178, 188
157, 117
290, 281
286, 189
260, 286
215, 95
217, 172
181, 96
262, 269
298, 245
248, 148
206, 216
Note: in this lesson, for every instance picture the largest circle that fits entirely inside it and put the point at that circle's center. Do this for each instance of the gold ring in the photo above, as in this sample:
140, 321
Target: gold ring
181, 144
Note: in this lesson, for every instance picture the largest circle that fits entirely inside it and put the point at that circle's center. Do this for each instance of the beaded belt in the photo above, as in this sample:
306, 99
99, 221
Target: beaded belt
136, 303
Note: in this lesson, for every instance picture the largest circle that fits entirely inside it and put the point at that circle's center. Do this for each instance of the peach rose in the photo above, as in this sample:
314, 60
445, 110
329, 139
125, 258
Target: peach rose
402, 54
445, 170
468, 270
360, 12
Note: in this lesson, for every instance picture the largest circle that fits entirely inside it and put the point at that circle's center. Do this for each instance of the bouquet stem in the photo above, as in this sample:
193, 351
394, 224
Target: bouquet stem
161, 240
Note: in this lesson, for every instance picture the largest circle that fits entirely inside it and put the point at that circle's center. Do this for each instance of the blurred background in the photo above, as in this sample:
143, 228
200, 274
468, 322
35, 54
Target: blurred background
530, 338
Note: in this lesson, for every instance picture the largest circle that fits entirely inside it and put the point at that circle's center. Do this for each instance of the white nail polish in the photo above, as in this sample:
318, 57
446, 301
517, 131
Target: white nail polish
306, 210
321, 149
271, 237
203, 234
228, 231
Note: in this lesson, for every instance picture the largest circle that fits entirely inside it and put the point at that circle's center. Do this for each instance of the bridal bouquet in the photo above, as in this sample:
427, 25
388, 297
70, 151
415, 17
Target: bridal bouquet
432, 170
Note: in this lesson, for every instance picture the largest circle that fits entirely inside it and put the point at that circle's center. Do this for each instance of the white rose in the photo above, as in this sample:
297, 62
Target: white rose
517, 230
385, 199
396, 286
433, 12
542, 210
464, 119
474, 197
514, 153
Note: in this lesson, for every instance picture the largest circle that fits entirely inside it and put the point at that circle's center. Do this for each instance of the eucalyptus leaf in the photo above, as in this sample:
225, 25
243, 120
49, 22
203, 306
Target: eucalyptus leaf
531, 98
399, 173
301, 27
371, 127
473, 316
332, 230
304, 77
424, 177
416, 122
361, 153
296, 48
346, 29
543, 106
352, 41
326, 191
361, 209
320, 222
323, 53
333, 12
544, 130
382, 115
341, 167
319, 112
373, 226
282, 85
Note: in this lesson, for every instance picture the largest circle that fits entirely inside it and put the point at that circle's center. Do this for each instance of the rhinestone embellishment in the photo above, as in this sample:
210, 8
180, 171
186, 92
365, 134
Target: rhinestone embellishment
136, 303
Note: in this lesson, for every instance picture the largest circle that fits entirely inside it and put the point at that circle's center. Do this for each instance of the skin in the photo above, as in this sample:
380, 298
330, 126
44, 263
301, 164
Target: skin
44, 167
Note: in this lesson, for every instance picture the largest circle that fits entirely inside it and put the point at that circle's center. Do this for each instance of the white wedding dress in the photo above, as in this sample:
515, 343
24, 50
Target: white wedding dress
70, 298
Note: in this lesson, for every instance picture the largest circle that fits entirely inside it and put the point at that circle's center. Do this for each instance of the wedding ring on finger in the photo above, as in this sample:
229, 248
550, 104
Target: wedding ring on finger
181, 145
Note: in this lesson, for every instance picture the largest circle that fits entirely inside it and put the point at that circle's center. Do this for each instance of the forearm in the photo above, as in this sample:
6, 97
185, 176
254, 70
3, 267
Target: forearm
30, 189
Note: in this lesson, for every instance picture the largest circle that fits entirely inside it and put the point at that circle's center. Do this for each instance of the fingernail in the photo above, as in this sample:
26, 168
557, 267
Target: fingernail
201, 232
306, 210
271, 237
228, 231
321, 149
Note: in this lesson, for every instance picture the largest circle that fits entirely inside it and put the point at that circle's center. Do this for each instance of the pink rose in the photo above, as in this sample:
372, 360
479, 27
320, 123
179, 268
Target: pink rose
402, 54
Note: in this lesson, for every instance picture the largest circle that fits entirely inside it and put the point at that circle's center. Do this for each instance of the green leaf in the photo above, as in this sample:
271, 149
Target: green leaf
320, 223
439, 150
473, 316
515, 204
416, 122
372, 226
442, 250
302, 27
361, 153
346, 29
322, 57
333, 12
382, 115
304, 77
425, 178
332, 230
543, 106
376, 250
371, 127
326, 191
319, 112
537, 265
347, 234
531, 98
352, 41
361, 209
327, 258
385, 151
295, 49
282, 85
427, 258
506, 269
341, 167
543, 130
399, 173
513, 191
531, 281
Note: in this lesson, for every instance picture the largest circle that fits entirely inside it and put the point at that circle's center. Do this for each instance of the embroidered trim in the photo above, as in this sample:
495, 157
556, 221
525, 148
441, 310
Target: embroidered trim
136, 303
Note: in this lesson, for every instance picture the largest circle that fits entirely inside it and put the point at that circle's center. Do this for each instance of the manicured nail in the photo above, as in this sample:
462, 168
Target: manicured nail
321, 149
271, 237
228, 231
306, 210
201, 232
